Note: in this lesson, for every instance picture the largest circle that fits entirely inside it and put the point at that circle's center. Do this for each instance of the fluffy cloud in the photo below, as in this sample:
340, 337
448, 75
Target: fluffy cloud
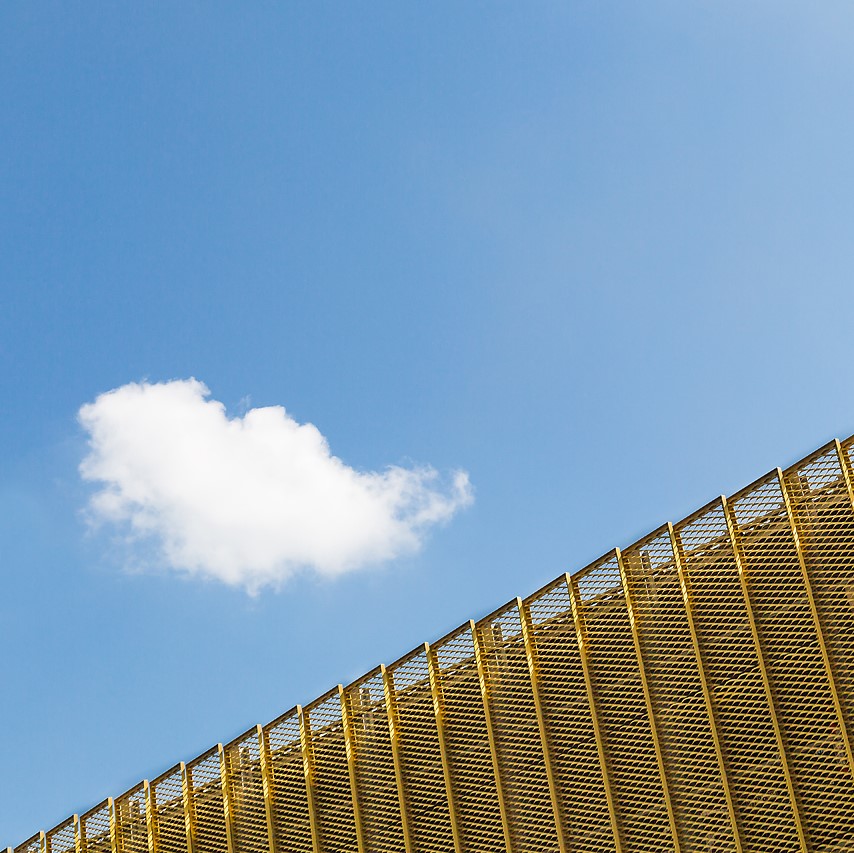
248, 500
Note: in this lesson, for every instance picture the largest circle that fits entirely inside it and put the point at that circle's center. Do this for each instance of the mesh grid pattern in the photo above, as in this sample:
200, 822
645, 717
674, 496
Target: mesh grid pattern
332, 792
167, 804
95, 829
473, 780
246, 793
793, 659
420, 755
31, 845
755, 771
621, 707
524, 783
569, 725
206, 803
679, 709
744, 644
290, 800
61, 838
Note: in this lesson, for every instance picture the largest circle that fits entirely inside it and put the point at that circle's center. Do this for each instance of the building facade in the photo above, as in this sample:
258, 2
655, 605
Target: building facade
693, 692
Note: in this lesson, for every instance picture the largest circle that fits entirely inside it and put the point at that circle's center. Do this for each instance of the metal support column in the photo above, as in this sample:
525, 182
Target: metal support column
766, 683
150, 829
483, 678
114, 832
394, 738
266, 766
533, 669
659, 757
351, 747
707, 696
189, 809
439, 713
227, 803
825, 657
308, 770
581, 635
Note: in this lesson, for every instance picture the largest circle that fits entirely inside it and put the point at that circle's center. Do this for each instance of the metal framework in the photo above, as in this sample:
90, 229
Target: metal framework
694, 692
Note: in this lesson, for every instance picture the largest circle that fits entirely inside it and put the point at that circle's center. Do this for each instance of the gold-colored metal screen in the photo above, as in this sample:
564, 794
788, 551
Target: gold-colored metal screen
288, 793
694, 692
131, 821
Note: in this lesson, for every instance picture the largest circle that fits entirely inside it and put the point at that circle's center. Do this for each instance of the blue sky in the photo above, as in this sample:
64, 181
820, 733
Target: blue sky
596, 255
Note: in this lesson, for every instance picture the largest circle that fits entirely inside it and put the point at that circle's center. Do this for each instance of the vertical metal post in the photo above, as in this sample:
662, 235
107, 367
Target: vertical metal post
351, 747
581, 635
308, 769
825, 657
78, 834
533, 669
394, 738
707, 696
485, 687
150, 827
264, 759
227, 802
114, 834
189, 808
659, 756
766, 683
846, 473
439, 713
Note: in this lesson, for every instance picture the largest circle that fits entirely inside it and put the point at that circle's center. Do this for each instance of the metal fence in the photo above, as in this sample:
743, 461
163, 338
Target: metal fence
693, 692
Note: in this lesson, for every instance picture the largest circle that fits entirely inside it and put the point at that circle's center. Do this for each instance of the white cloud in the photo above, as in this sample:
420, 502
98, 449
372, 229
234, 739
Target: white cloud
248, 500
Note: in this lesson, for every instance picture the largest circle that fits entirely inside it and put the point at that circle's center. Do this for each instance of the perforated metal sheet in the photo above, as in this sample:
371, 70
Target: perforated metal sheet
693, 692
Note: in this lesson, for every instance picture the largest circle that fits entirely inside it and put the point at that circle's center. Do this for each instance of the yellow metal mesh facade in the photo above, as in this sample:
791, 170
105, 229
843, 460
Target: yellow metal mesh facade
693, 692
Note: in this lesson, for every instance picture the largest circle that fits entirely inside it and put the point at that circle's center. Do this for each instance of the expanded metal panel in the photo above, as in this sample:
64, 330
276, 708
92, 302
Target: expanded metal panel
621, 706
473, 780
207, 809
131, 827
420, 754
822, 507
701, 685
682, 723
510, 700
167, 805
36, 844
331, 775
571, 734
792, 655
246, 793
61, 839
376, 783
754, 768
95, 829
290, 800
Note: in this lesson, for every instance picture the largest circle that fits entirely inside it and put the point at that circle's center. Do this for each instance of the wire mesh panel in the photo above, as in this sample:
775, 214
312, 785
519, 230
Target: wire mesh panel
95, 829
621, 707
131, 826
676, 693
524, 782
290, 800
821, 504
36, 844
206, 803
420, 755
571, 736
331, 775
61, 839
754, 768
167, 805
376, 783
473, 779
246, 793
792, 654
